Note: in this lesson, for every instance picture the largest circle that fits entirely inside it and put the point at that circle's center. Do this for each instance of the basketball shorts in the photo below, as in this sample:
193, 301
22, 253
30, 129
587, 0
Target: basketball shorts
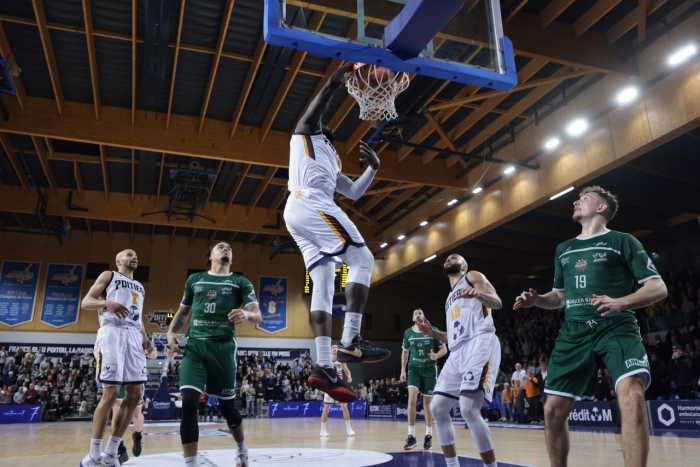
616, 342
209, 366
422, 378
120, 356
318, 226
471, 368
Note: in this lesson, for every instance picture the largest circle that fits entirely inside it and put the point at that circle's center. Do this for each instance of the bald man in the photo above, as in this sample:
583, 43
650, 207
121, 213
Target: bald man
469, 374
120, 351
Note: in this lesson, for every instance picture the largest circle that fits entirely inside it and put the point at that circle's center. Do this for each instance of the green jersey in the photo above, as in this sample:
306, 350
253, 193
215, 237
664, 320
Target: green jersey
611, 264
418, 346
211, 298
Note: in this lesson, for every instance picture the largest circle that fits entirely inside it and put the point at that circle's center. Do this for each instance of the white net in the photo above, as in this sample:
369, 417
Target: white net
375, 90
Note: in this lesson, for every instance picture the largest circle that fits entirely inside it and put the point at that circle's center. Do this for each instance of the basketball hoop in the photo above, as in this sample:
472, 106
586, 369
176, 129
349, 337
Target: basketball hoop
375, 89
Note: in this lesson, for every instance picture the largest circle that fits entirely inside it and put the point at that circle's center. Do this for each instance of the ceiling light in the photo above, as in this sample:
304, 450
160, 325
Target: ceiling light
477, 190
552, 143
384, 245
509, 170
423, 224
627, 95
561, 193
400, 237
429, 258
682, 55
452, 202
577, 127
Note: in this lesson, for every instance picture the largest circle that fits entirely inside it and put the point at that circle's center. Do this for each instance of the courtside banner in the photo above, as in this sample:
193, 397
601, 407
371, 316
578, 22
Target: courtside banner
52, 350
599, 414
22, 413
402, 413
19, 281
313, 409
675, 415
387, 412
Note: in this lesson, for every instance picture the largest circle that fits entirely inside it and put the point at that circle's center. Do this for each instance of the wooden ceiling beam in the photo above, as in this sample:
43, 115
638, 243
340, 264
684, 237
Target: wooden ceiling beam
237, 187
9, 56
298, 60
394, 203
515, 11
160, 176
14, 161
176, 56
104, 171
262, 186
78, 178
92, 61
40, 150
631, 20
594, 14
642, 21
216, 179
390, 189
133, 174
248, 86
554, 10
47, 47
134, 14
114, 130
223, 32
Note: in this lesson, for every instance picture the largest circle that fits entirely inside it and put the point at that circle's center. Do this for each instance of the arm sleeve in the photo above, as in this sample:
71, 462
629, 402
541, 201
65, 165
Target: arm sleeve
188, 295
355, 190
404, 344
247, 292
558, 273
638, 261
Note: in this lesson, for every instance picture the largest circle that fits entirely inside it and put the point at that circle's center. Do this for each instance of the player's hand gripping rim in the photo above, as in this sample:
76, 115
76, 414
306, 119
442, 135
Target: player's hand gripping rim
369, 156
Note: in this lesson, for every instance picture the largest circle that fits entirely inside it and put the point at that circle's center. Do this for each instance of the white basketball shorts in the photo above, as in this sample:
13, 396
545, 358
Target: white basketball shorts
319, 227
120, 356
471, 367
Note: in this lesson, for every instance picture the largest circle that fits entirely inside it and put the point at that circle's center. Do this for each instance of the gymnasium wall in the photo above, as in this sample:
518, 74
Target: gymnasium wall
168, 262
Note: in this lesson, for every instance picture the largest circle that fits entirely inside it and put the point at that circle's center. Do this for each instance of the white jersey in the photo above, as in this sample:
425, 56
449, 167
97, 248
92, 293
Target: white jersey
313, 164
466, 317
128, 292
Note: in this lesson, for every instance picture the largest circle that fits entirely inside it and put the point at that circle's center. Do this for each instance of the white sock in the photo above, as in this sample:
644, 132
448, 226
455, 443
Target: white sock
412, 430
324, 426
348, 426
351, 327
452, 461
95, 448
428, 430
191, 461
113, 445
323, 350
495, 464
241, 446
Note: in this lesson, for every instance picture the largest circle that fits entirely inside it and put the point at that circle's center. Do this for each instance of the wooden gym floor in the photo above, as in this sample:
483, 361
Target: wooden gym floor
64, 444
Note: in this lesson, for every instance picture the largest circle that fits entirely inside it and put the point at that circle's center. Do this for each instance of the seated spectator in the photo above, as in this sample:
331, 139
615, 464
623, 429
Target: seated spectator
507, 403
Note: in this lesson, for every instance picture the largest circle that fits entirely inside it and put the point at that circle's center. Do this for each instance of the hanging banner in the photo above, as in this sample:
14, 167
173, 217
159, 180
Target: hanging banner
62, 294
273, 304
19, 282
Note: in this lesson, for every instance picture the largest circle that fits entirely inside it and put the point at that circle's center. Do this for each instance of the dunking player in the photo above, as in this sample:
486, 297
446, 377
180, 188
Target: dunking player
322, 231
421, 354
119, 352
342, 370
214, 302
595, 278
469, 374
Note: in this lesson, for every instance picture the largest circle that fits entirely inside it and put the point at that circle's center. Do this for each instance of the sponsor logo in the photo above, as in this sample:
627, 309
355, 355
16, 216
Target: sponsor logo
161, 405
594, 414
601, 244
469, 376
211, 294
581, 264
632, 362
161, 318
600, 257
666, 414
651, 266
565, 260
228, 392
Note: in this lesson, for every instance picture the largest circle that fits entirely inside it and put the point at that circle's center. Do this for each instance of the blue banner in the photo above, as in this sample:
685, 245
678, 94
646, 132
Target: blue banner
313, 409
62, 294
273, 304
675, 415
162, 406
387, 412
23, 413
18, 285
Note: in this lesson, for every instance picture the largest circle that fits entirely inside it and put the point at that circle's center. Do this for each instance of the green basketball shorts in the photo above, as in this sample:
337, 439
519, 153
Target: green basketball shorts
423, 378
615, 342
209, 366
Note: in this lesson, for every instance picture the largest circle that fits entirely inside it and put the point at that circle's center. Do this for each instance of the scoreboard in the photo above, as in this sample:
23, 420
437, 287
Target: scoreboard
341, 279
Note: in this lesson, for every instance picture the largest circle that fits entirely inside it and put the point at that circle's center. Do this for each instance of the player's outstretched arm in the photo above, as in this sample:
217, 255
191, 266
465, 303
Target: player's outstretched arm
355, 189
550, 301
404, 362
484, 291
312, 120
181, 317
426, 328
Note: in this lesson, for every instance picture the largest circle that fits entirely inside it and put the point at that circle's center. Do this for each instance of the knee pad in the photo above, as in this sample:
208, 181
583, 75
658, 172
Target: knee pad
189, 428
470, 406
440, 407
361, 263
230, 413
323, 276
